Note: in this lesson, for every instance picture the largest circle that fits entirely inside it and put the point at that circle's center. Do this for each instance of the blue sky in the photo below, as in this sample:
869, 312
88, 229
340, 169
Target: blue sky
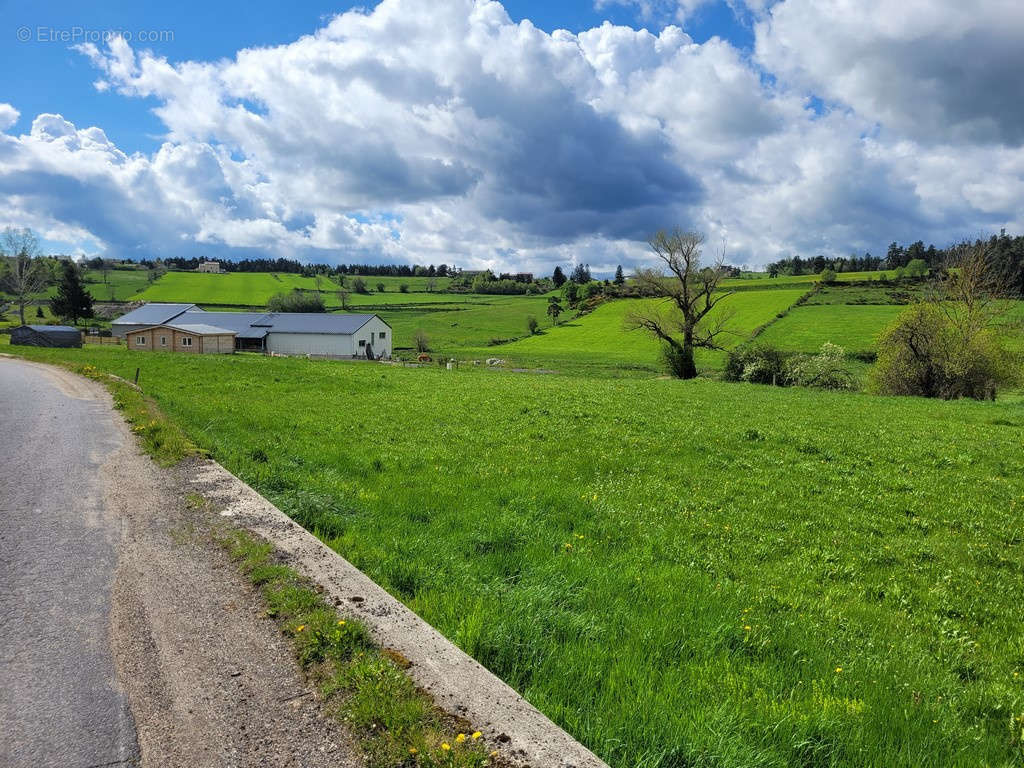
439, 130
53, 78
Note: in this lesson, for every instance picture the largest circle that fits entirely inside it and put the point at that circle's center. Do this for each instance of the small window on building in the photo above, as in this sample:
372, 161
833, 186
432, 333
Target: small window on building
140, 341
362, 342
163, 341
186, 341
383, 334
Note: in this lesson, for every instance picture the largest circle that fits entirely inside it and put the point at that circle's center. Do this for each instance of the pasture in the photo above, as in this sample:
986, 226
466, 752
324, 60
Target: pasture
254, 289
679, 573
231, 289
853, 327
600, 339
115, 285
761, 281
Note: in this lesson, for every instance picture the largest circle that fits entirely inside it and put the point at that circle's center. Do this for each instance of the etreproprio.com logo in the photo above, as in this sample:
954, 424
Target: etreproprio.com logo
76, 35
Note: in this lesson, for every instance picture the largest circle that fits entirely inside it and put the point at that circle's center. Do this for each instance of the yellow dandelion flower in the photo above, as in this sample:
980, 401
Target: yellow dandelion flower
477, 735
460, 738
838, 670
413, 750
446, 746
300, 627
747, 627
341, 622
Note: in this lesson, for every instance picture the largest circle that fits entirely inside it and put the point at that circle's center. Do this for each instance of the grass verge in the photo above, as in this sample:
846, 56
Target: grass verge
362, 685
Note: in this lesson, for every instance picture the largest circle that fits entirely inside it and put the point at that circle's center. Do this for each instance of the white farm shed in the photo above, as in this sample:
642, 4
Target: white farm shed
318, 334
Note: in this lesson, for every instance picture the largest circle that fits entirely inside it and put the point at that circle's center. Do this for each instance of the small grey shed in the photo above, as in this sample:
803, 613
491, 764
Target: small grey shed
46, 336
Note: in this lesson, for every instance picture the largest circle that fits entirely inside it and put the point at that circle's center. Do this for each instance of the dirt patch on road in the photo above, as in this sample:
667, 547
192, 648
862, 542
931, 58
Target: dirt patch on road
211, 681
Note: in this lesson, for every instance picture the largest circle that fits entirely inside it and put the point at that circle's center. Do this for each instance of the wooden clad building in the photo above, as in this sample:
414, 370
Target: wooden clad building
191, 338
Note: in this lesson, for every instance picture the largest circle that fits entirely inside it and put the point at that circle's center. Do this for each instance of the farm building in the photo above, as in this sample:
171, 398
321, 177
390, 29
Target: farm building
46, 336
284, 333
196, 338
212, 267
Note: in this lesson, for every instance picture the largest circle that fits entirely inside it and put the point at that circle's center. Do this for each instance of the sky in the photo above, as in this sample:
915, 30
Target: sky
514, 136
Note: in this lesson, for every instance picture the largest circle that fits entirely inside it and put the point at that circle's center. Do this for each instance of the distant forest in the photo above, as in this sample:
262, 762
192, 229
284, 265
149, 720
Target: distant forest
291, 266
1007, 250
1007, 257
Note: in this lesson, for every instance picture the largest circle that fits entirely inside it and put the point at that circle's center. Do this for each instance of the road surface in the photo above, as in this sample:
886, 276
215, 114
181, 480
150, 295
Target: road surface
126, 635
60, 702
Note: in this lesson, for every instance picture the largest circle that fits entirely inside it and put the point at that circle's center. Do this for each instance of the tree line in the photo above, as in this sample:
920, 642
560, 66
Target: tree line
1005, 252
291, 266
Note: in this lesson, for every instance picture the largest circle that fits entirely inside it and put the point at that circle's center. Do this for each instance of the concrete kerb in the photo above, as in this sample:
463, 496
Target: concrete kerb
458, 684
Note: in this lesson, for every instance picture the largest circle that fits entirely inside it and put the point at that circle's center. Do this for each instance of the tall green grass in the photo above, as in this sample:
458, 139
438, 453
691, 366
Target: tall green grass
852, 326
679, 573
601, 338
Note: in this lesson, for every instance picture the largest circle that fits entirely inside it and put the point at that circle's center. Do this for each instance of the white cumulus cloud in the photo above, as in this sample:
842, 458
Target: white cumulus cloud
445, 132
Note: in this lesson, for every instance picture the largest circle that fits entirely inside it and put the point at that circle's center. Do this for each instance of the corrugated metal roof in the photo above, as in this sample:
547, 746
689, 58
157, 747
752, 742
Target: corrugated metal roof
239, 322
253, 333
51, 328
301, 322
154, 314
200, 329
279, 322
248, 325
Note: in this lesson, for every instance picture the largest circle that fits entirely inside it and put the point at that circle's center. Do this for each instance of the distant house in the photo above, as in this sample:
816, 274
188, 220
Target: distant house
209, 266
46, 336
194, 338
284, 333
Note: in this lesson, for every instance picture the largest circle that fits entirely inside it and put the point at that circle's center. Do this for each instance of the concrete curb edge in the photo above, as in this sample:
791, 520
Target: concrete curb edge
458, 684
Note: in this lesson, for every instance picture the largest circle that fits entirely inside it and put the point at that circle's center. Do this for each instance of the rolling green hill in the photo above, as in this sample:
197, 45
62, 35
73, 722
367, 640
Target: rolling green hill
234, 288
679, 573
600, 339
806, 328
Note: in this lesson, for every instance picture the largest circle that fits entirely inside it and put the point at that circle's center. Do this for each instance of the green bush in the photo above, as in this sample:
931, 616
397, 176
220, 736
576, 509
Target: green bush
758, 364
925, 353
296, 301
827, 275
824, 370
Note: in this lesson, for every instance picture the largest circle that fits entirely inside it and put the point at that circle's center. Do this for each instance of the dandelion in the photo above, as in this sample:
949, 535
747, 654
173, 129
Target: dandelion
341, 622
476, 735
747, 627
300, 627
446, 747
413, 750
838, 670
460, 738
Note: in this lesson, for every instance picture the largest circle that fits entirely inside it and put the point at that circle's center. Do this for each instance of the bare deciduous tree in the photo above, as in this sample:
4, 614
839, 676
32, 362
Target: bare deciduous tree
26, 275
343, 296
690, 291
972, 292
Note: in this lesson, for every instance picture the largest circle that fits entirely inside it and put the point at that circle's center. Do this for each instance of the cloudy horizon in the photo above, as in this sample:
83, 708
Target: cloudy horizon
421, 132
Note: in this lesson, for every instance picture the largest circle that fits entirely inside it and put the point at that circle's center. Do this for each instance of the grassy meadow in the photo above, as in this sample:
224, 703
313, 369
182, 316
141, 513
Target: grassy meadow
600, 338
852, 326
679, 573
234, 288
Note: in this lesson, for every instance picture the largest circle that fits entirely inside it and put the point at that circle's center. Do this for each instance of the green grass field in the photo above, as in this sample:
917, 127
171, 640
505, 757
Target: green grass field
679, 573
118, 285
600, 339
256, 288
762, 281
235, 288
853, 327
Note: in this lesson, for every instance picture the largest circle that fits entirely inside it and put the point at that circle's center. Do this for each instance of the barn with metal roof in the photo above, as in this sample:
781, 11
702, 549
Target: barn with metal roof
46, 336
339, 335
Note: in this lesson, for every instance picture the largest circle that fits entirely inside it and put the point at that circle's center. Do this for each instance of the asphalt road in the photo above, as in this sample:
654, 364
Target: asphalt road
60, 703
